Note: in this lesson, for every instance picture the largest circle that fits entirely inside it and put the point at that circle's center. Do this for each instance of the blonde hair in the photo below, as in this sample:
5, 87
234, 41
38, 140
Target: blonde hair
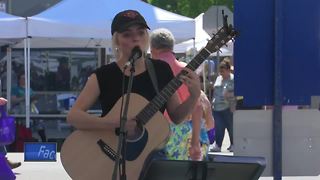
115, 44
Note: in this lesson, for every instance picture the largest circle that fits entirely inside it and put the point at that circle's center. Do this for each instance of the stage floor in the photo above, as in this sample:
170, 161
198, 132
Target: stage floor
55, 171
38, 170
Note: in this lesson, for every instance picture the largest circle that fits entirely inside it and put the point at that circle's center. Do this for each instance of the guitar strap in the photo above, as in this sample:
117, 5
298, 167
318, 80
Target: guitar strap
152, 74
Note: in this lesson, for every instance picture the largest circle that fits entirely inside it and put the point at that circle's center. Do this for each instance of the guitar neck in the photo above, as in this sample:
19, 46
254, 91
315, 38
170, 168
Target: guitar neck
159, 100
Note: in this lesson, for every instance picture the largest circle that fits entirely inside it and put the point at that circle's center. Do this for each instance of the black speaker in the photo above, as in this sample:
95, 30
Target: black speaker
216, 168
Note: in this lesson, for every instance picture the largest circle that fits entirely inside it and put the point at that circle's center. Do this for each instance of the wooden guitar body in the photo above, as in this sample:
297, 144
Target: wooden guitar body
83, 158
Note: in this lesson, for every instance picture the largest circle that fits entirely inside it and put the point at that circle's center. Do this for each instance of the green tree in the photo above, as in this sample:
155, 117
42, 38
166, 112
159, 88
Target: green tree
190, 8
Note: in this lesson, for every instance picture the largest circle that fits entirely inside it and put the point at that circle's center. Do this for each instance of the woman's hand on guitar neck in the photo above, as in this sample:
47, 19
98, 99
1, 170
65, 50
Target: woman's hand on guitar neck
192, 81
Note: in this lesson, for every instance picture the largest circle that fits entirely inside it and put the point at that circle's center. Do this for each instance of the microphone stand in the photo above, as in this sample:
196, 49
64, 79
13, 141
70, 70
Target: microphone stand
122, 143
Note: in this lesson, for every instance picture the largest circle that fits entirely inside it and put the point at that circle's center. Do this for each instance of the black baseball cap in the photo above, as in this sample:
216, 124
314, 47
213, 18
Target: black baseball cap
125, 19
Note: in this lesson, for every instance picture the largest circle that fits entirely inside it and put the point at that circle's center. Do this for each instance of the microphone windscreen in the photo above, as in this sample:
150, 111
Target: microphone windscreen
136, 52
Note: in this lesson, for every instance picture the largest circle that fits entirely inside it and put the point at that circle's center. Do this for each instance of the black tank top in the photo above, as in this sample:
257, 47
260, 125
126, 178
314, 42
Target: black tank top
110, 83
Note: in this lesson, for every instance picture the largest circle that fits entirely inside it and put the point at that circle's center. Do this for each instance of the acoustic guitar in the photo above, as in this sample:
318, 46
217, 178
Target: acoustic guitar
90, 155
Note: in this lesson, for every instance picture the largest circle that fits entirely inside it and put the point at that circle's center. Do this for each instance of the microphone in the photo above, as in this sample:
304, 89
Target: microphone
136, 53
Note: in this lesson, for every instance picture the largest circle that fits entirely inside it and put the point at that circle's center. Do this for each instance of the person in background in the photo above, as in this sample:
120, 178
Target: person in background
18, 105
129, 30
189, 140
18, 96
63, 76
3, 150
207, 74
223, 104
207, 116
206, 108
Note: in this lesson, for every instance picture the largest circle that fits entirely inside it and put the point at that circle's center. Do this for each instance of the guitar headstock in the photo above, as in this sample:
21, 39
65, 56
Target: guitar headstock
222, 37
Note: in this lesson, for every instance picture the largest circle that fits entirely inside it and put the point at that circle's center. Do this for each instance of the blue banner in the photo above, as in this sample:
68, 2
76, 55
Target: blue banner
254, 53
34, 151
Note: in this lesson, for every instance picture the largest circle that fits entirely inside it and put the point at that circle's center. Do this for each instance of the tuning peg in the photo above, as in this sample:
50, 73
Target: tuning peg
232, 39
226, 45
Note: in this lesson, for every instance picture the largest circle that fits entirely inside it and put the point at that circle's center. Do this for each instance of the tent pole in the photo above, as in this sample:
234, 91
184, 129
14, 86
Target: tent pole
27, 94
27, 74
9, 76
28, 85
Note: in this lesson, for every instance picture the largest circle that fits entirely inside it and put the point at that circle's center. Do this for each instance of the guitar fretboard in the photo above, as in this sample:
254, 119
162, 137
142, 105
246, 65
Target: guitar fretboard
158, 101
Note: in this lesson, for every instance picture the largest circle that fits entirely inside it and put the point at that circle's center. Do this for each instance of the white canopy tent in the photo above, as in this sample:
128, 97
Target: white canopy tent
200, 40
13, 29
82, 23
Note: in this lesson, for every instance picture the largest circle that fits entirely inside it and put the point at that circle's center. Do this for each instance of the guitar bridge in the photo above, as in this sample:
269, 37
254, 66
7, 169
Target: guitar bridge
107, 150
